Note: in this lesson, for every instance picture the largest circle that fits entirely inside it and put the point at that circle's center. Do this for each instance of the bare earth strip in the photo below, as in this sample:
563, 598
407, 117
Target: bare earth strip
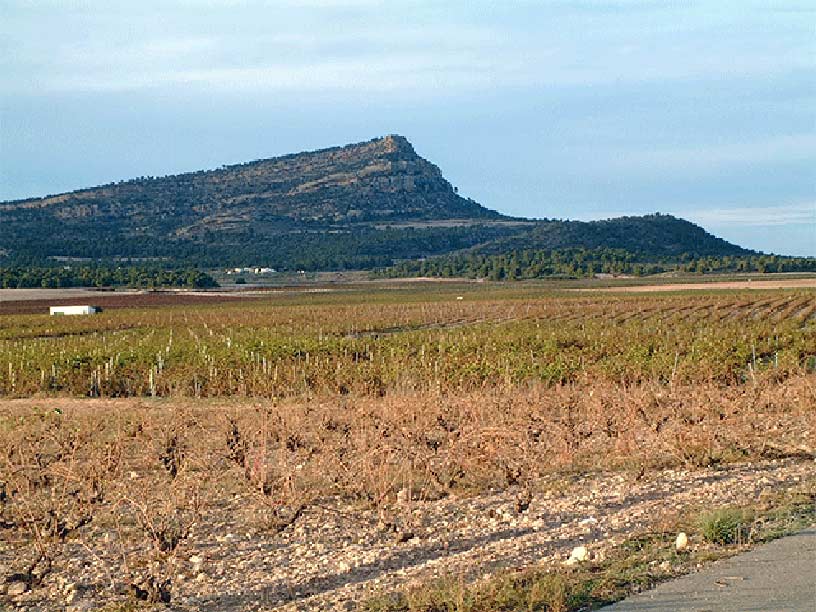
791, 283
37, 301
475, 537
25, 295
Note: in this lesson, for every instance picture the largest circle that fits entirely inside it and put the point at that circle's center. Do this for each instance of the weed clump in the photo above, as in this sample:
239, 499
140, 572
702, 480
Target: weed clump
726, 526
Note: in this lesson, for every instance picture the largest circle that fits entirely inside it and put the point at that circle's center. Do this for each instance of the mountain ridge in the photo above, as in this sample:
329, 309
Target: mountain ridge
386, 165
360, 205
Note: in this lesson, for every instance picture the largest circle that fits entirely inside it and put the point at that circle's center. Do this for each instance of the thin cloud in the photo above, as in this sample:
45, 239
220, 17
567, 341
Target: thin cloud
402, 72
800, 213
229, 44
708, 158
790, 214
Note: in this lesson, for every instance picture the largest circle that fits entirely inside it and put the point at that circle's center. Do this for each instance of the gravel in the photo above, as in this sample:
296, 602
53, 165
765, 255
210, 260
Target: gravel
336, 553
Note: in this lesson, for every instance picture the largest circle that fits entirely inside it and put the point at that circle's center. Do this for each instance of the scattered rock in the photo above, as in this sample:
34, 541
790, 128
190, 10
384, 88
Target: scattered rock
336, 555
681, 543
343, 567
579, 554
43, 566
403, 536
16, 588
523, 501
151, 590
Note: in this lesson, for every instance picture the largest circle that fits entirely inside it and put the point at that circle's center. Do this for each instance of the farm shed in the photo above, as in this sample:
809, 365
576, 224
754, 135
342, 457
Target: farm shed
74, 310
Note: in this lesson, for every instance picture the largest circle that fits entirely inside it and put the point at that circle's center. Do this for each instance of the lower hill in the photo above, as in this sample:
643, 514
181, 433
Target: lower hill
654, 235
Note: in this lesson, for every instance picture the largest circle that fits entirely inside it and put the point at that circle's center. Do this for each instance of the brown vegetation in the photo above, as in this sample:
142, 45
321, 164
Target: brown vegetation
150, 470
382, 405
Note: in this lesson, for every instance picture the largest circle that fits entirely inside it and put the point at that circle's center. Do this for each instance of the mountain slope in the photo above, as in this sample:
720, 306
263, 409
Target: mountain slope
358, 206
656, 235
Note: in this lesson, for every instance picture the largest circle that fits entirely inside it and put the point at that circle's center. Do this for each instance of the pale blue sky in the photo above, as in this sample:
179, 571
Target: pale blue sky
570, 109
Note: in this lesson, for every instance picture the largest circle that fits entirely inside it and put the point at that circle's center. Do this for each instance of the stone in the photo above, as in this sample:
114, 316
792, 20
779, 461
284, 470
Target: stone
681, 543
579, 554
16, 588
403, 536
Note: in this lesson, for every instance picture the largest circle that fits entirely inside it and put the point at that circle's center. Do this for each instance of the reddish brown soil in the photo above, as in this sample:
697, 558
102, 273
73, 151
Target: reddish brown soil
114, 300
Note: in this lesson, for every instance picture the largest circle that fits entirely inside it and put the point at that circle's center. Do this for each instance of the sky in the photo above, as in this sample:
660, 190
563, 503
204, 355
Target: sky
579, 109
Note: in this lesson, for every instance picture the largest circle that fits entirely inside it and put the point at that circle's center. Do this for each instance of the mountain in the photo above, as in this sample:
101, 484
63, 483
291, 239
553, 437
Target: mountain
321, 208
358, 206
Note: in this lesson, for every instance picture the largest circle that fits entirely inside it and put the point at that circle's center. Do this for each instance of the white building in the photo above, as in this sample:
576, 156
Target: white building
74, 310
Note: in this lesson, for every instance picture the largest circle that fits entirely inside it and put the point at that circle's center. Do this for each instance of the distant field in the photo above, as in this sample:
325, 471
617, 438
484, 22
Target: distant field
780, 283
375, 340
23, 295
33, 303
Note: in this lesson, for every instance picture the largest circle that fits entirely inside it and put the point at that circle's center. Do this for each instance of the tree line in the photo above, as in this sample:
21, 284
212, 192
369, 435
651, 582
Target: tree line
357, 249
584, 263
20, 277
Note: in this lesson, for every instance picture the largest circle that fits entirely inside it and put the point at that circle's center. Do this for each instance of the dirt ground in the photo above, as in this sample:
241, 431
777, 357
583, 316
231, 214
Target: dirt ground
37, 301
782, 283
25, 295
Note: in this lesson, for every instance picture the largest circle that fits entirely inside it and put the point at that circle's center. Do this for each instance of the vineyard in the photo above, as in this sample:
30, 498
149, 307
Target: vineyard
370, 344
317, 445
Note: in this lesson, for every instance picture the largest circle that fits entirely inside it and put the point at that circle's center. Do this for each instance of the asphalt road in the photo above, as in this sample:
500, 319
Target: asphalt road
776, 577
